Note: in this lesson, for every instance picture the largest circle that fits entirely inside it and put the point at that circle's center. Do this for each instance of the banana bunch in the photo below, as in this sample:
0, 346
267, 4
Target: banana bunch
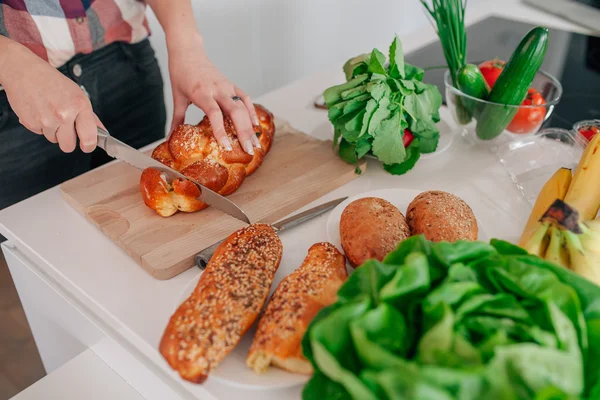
561, 228
556, 188
564, 239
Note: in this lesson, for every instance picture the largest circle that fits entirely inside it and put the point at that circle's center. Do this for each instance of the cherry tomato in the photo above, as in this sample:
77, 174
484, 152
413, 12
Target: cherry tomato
526, 119
408, 138
589, 132
491, 70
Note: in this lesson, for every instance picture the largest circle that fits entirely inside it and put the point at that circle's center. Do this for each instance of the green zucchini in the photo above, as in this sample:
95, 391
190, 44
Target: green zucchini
471, 81
512, 84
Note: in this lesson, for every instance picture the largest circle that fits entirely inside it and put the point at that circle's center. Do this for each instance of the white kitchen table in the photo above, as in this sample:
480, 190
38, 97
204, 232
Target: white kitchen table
82, 294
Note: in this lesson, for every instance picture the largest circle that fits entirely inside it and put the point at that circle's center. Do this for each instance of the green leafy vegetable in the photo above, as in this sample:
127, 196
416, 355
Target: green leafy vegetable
457, 321
389, 148
421, 107
378, 101
396, 60
363, 146
356, 66
411, 280
348, 151
319, 387
448, 19
367, 282
410, 159
377, 337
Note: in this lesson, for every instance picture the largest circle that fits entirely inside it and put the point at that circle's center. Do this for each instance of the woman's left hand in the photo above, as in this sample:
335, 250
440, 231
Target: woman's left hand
196, 80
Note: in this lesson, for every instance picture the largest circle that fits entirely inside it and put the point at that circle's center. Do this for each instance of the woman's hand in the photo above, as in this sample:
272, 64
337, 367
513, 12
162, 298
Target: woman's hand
46, 102
195, 80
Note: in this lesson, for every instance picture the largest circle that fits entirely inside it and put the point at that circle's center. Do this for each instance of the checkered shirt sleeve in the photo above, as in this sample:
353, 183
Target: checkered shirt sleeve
56, 30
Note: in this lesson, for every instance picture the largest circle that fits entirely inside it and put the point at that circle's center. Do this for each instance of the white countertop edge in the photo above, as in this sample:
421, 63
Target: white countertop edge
106, 322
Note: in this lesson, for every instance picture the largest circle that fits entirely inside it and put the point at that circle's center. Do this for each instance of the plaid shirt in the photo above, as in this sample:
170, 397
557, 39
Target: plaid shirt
56, 30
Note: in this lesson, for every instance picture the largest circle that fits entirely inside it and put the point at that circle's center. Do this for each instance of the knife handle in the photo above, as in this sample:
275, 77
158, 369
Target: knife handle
205, 255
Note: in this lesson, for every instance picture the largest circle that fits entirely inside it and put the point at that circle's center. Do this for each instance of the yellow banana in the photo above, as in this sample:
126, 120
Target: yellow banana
583, 262
564, 256
590, 238
584, 190
556, 250
562, 238
538, 241
555, 188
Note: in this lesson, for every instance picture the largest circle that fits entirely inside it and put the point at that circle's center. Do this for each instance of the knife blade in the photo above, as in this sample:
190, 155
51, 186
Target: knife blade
311, 213
121, 151
203, 257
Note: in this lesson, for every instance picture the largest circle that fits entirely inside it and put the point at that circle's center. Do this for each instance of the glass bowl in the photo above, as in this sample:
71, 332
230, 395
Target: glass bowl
493, 124
587, 129
531, 161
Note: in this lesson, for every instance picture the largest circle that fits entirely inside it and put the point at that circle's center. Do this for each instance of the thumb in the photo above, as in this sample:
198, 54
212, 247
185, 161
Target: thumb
179, 109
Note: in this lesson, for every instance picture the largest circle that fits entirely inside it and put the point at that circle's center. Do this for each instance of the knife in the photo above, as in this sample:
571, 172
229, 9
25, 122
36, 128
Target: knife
205, 255
121, 151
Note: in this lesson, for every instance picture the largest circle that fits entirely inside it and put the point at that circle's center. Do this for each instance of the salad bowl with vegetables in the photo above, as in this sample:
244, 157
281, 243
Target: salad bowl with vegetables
493, 123
493, 101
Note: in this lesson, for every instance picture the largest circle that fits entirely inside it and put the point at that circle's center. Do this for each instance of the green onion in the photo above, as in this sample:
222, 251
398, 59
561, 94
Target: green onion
448, 19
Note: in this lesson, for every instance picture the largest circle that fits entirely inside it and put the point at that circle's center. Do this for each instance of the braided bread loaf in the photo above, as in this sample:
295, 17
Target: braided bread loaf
193, 151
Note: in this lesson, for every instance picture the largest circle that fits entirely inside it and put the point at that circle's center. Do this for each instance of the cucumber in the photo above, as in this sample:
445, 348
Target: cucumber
512, 84
462, 114
471, 81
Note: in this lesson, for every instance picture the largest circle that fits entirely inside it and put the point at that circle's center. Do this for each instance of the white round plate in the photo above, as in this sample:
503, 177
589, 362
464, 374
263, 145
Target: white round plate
233, 370
400, 198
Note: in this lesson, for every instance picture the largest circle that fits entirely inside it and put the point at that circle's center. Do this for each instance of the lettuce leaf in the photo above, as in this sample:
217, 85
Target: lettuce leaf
464, 320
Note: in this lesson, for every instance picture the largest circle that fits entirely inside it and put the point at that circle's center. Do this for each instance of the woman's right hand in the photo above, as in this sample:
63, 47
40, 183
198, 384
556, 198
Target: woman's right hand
46, 102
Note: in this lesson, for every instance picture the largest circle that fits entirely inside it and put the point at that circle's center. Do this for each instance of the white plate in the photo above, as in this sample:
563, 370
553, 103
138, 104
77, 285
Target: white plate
233, 370
400, 198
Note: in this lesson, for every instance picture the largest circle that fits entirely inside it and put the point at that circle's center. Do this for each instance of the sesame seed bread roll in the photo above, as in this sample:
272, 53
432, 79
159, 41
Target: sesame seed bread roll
228, 298
370, 228
295, 302
441, 216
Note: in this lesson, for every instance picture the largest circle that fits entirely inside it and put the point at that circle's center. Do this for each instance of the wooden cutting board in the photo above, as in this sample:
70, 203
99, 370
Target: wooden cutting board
297, 170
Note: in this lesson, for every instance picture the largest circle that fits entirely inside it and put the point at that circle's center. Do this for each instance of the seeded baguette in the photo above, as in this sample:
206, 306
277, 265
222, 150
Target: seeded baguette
295, 302
225, 303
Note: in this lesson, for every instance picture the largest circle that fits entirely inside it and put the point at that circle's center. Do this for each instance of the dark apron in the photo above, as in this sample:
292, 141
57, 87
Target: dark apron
125, 87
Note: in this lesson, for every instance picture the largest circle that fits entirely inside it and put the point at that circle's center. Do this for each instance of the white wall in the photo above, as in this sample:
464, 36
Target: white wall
264, 44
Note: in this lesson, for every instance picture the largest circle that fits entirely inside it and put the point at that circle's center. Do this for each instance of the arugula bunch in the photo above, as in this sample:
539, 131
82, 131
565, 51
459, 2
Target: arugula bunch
378, 102
457, 321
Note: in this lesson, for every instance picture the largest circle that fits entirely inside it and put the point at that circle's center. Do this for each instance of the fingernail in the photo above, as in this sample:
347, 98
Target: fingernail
89, 147
256, 142
248, 147
255, 120
226, 143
